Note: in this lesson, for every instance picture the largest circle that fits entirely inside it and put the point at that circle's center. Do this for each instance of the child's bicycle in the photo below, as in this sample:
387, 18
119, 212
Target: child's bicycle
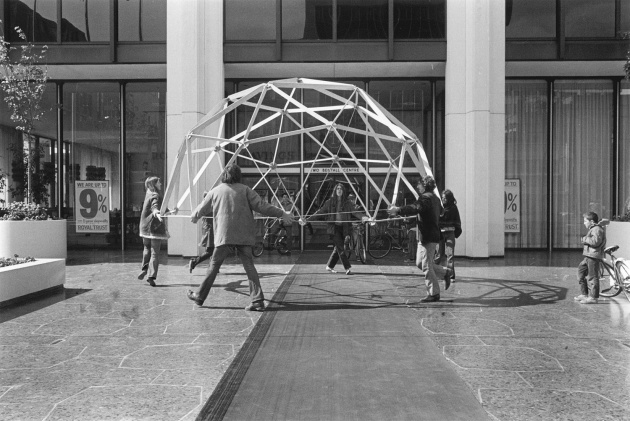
280, 243
356, 242
614, 275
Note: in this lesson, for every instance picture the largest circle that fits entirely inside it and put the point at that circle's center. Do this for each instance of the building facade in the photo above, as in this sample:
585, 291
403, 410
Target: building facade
526, 93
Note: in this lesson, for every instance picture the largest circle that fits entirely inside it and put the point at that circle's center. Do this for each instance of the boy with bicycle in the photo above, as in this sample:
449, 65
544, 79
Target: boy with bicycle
588, 270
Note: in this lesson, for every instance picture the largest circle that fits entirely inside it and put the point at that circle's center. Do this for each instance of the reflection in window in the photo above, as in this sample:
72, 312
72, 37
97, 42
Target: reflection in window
250, 20
284, 149
43, 143
145, 126
326, 142
589, 19
526, 158
362, 19
410, 102
91, 126
583, 127
38, 20
624, 148
624, 23
142, 20
84, 21
530, 19
307, 19
419, 19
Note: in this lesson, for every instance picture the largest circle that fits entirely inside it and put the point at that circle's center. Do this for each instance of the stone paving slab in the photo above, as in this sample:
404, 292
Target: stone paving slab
119, 349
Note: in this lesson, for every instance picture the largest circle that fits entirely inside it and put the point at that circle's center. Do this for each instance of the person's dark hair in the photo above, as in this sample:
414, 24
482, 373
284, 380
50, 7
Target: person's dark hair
344, 196
449, 198
150, 183
591, 216
429, 183
231, 174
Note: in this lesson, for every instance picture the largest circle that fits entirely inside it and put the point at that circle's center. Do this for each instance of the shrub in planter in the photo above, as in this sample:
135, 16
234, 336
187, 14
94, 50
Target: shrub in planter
15, 260
22, 211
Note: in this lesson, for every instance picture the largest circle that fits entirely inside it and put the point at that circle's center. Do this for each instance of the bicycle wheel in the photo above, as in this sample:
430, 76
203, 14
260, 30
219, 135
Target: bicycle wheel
608, 286
258, 249
379, 246
624, 274
281, 246
361, 250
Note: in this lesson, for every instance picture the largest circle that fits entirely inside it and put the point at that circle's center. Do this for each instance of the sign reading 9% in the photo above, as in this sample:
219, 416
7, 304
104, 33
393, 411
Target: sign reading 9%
91, 206
512, 205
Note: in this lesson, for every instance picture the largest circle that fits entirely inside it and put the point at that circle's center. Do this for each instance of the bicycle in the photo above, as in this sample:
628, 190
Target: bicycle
615, 275
381, 243
356, 242
280, 243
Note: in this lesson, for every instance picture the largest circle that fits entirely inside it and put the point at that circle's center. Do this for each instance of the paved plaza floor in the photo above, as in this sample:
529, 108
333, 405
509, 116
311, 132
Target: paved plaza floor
507, 342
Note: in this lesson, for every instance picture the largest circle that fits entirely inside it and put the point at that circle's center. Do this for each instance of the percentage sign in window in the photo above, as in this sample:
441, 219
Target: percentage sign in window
102, 205
510, 202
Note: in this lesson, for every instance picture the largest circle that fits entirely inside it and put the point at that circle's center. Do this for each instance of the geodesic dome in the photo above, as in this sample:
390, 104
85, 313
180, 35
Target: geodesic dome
273, 116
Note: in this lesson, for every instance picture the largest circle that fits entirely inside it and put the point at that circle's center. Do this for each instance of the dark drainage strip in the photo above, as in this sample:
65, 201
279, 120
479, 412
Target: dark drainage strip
218, 403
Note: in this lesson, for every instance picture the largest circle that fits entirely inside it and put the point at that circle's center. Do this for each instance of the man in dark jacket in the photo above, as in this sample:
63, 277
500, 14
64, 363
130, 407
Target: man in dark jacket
427, 207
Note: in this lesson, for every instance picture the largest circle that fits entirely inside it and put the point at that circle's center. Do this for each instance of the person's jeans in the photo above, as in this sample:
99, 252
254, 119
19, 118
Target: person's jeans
247, 259
413, 244
205, 256
424, 262
446, 251
338, 239
151, 256
588, 277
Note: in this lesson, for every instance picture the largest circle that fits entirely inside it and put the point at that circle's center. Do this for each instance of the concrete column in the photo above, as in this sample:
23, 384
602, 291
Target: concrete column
194, 84
475, 121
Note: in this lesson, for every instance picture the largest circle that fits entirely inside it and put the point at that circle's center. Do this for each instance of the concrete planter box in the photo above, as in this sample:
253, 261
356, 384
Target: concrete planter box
38, 239
29, 279
618, 234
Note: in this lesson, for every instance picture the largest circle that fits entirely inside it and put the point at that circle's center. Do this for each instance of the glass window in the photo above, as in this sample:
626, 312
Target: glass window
589, 19
320, 145
250, 20
411, 103
583, 129
307, 19
91, 125
526, 158
530, 19
440, 136
419, 19
43, 144
362, 19
38, 20
624, 148
145, 130
284, 149
84, 21
624, 24
142, 20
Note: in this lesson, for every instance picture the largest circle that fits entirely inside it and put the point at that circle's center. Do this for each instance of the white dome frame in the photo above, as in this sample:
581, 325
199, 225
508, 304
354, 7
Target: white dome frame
368, 113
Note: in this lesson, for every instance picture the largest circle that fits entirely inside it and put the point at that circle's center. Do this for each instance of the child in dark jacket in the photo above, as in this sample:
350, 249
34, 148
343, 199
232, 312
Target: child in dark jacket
588, 270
